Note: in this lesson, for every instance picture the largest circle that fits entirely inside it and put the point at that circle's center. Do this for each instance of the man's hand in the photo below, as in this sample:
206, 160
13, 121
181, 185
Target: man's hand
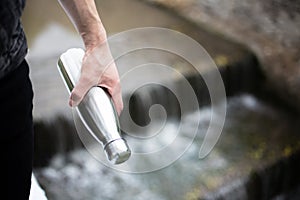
98, 69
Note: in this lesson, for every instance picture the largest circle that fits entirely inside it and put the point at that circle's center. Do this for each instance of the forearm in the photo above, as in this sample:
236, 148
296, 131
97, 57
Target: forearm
84, 16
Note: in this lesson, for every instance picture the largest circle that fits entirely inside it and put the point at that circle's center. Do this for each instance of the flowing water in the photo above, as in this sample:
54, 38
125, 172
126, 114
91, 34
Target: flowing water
245, 145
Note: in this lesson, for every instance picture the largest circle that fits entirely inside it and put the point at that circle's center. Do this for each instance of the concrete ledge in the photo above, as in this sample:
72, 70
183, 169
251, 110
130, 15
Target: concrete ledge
269, 28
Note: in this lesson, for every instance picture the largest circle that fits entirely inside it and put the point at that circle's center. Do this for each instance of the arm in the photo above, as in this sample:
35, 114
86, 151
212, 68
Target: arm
98, 67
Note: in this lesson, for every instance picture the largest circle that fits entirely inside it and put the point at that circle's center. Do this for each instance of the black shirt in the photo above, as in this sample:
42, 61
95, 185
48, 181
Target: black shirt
13, 45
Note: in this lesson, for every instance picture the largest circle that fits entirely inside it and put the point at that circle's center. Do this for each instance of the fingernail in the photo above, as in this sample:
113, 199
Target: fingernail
74, 100
73, 103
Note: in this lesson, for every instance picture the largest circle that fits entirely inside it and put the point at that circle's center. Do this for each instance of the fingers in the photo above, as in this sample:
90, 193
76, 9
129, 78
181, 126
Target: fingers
118, 103
117, 99
84, 85
116, 95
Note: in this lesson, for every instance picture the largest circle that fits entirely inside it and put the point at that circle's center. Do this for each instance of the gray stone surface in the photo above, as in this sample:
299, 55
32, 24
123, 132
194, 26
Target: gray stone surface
271, 29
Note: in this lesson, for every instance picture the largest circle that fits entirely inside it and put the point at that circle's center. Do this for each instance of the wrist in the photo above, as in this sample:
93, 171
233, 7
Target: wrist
94, 38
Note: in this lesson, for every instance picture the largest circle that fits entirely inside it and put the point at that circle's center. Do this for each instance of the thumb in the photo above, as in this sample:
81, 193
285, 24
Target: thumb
79, 91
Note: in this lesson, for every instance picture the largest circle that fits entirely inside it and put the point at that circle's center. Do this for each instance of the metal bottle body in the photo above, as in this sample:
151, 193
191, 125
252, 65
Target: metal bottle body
96, 110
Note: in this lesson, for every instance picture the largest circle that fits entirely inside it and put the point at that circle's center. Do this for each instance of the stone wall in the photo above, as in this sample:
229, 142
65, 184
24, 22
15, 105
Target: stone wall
270, 28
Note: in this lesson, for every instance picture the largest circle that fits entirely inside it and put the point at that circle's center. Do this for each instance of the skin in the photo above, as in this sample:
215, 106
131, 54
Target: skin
98, 67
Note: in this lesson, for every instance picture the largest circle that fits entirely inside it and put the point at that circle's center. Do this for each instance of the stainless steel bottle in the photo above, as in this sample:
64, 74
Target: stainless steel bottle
96, 109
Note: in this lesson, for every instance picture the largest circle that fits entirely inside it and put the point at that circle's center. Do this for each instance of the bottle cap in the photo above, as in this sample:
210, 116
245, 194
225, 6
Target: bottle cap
117, 151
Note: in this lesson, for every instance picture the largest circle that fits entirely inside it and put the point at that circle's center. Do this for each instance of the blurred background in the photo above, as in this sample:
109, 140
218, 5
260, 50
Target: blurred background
255, 45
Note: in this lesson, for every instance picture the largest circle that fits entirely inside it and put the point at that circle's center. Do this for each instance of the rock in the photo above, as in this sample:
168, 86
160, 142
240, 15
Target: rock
271, 29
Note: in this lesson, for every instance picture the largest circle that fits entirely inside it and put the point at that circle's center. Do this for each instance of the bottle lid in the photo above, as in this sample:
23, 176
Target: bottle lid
117, 151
